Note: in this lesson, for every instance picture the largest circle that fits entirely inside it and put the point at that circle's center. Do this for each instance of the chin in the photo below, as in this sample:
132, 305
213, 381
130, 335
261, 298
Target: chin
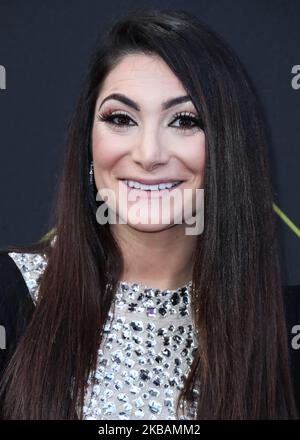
150, 223
149, 227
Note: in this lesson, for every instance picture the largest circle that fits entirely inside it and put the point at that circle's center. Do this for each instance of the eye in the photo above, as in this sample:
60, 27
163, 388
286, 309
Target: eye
117, 119
188, 122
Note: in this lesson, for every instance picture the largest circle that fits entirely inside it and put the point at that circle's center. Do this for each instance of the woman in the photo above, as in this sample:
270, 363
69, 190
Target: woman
143, 320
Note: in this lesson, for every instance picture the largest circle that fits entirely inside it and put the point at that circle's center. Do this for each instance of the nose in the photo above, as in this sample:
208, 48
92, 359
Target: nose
149, 151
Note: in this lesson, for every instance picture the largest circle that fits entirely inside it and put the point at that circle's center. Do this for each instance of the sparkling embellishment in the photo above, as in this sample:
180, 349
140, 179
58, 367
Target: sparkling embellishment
151, 311
146, 352
31, 266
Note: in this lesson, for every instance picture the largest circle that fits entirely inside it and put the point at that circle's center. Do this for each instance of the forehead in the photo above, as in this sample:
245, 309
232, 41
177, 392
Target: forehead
144, 77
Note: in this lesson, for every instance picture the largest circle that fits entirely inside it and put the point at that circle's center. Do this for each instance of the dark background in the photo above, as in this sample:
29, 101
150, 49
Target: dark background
45, 47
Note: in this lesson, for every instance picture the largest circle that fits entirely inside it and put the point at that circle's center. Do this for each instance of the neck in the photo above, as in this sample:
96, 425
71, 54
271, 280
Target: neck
158, 259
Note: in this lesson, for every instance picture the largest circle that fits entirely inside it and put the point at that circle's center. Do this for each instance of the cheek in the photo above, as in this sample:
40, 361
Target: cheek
194, 155
106, 149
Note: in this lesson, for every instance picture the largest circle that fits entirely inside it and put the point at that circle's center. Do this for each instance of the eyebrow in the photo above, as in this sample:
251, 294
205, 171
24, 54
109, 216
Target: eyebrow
165, 105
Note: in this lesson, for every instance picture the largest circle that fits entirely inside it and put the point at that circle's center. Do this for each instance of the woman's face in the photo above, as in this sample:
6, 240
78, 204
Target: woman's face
144, 141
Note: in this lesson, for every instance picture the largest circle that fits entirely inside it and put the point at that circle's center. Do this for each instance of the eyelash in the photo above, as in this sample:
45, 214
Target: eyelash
109, 116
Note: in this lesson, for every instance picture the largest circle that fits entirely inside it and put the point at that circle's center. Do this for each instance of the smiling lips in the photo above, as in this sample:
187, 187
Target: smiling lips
151, 184
151, 188
151, 181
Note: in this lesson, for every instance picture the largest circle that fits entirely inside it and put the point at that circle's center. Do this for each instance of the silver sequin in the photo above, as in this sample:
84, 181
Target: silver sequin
145, 354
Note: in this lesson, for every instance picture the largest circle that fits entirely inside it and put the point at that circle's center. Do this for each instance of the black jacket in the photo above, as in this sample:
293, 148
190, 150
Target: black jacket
16, 308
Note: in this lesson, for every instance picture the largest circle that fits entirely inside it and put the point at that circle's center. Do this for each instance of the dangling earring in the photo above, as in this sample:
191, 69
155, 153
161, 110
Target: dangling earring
91, 172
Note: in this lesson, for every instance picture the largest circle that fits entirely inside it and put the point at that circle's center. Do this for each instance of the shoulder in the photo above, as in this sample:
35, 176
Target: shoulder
29, 266
19, 276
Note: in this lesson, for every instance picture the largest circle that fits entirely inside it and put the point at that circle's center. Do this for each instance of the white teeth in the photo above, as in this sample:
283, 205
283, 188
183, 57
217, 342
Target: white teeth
134, 184
166, 185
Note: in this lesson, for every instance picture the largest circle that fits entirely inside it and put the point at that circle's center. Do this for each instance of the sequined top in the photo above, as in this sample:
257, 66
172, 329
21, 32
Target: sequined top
145, 354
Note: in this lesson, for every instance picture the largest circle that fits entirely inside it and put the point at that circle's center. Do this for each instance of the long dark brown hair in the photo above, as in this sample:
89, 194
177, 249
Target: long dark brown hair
241, 368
